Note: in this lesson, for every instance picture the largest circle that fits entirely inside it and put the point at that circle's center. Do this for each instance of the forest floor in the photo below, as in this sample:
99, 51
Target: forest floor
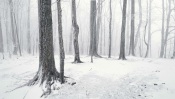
135, 78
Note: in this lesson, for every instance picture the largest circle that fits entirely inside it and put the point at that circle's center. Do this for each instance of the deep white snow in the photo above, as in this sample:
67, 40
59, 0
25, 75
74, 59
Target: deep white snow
135, 78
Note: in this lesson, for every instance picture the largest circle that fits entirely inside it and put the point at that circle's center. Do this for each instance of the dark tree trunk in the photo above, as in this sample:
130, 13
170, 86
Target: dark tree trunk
76, 33
61, 45
47, 72
110, 32
93, 35
131, 49
162, 32
1, 41
122, 42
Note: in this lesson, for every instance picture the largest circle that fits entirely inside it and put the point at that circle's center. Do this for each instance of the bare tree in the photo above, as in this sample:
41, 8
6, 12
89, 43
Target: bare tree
93, 35
99, 21
131, 49
110, 32
1, 40
76, 33
140, 23
61, 45
122, 42
14, 39
47, 74
167, 27
145, 31
162, 31
28, 32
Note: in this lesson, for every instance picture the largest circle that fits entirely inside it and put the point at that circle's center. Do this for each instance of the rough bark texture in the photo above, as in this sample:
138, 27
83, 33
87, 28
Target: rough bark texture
61, 45
93, 35
131, 49
110, 32
162, 31
122, 42
47, 73
76, 33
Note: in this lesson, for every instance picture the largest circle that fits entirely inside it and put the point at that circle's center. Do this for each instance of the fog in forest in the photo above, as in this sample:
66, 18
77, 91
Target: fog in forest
83, 20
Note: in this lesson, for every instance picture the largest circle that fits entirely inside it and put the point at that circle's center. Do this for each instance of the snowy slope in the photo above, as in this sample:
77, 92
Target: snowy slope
135, 78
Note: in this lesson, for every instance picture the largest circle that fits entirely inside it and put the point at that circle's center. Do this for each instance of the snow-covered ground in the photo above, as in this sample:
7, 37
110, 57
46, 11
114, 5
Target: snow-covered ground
135, 78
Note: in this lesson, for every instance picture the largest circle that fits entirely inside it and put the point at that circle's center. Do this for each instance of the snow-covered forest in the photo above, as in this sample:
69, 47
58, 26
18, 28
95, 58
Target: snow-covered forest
87, 49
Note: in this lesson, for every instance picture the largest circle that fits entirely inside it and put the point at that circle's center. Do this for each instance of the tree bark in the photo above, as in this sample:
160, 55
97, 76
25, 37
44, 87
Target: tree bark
162, 31
76, 33
61, 45
167, 27
149, 27
110, 32
15, 49
99, 21
131, 49
146, 43
140, 23
47, 74
1, 40
122, 42
28, 32
93, 35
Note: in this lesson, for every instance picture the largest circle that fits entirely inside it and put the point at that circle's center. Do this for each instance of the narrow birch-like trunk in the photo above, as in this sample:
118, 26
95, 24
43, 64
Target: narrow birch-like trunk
162, 31
110, 32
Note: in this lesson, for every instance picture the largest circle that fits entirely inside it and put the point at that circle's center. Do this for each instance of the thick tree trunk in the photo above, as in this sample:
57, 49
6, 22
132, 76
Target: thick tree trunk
76, 33
47, 74
131, 49
93, 35
61, 45
162, 31
110, 32
122, 42
1, 40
